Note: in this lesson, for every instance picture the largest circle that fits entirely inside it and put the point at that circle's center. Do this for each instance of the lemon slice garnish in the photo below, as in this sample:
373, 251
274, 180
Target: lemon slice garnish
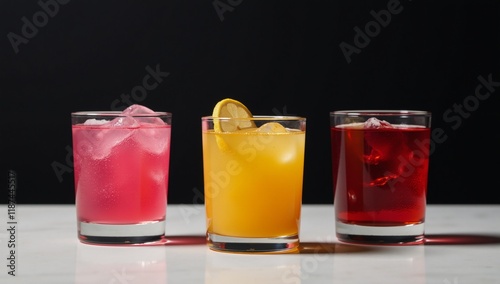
272, 127
230, 108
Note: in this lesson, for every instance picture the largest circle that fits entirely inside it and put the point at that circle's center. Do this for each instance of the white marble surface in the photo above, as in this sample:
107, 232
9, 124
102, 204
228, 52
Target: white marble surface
463, 246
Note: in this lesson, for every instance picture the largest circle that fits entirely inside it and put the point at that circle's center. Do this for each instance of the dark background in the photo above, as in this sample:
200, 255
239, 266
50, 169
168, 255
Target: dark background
280, 57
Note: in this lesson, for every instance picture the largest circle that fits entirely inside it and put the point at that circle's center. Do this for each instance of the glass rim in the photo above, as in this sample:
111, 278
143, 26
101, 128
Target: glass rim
118, 114
256, 117
381, 112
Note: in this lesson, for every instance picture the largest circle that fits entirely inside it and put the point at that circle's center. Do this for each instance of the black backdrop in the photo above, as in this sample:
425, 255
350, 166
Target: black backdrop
284, 57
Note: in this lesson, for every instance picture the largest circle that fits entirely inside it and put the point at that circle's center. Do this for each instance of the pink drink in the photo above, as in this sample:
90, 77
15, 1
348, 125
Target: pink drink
121, 175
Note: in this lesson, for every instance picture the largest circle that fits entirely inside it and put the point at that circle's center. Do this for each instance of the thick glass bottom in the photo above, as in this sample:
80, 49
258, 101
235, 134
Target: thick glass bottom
390, 235
237, 244
96, 233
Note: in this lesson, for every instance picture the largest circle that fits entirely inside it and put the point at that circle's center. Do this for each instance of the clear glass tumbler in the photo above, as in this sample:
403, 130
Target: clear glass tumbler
121, 166
253, 183
380, 161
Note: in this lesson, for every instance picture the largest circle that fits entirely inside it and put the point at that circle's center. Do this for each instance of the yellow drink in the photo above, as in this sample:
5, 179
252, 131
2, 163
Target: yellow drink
253, 182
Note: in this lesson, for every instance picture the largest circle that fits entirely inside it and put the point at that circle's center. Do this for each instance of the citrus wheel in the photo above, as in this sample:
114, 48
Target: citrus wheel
230, 108
222, 115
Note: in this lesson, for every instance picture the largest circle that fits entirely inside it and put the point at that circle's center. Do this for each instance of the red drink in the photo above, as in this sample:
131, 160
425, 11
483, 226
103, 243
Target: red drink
380, 179
121, 177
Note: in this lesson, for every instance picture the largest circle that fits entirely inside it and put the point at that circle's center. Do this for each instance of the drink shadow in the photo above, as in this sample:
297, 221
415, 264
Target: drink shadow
461, 239
319, 248
433, 239
330, 247
303, 248
187, 240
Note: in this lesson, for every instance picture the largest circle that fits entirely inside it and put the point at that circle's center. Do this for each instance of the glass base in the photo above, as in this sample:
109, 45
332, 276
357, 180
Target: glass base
391, 235
237, 244
97, 233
